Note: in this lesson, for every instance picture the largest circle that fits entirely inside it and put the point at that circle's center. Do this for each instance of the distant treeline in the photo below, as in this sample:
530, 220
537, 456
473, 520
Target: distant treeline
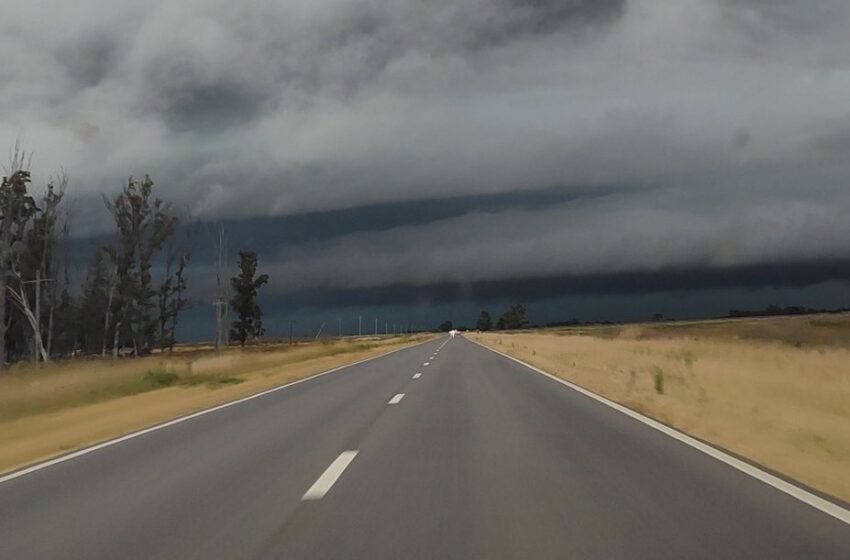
774, 310
575, 323
515, 318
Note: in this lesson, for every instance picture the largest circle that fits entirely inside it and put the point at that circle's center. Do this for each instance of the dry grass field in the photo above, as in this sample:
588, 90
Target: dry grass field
59, 407
774, 390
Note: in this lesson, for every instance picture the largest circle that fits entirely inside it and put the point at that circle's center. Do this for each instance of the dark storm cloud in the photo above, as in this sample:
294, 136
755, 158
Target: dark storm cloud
339, 54
88, 60
834, 139
534, 17
794, 16
359, 145
206, 107
534, 289
269, 235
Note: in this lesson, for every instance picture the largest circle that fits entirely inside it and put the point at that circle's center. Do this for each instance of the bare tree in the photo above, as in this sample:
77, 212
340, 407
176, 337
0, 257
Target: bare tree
107, 318
40, 262
16, 207
45, 231
170, 296
20, 297
66, 281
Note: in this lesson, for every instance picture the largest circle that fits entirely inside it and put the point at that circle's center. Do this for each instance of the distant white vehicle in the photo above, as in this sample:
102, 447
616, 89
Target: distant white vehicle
453, 332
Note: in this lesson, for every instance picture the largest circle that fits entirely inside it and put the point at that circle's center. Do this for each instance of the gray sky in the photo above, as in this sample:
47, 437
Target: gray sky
694, 133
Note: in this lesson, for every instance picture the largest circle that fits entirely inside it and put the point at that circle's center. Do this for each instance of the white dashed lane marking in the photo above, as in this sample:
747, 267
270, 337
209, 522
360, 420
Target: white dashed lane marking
330, 476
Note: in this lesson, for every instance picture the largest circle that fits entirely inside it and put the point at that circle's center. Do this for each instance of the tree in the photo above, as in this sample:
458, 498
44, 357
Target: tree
93, 312
244, 301
64, 339
17, 208
62, 320
171, 300
144, 224
446, 326
485, 322
39, 263
32, 270
514, 318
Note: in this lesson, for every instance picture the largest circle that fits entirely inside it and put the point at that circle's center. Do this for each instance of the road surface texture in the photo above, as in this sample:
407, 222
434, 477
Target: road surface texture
477, 457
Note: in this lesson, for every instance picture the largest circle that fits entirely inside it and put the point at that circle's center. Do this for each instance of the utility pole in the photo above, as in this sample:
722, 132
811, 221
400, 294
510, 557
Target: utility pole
376, 326
360, 325
220, 304
290, 331
339, 320
37, 346
386, 327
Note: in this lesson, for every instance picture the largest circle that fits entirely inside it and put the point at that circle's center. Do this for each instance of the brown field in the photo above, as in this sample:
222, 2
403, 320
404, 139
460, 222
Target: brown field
774, 390
63, 406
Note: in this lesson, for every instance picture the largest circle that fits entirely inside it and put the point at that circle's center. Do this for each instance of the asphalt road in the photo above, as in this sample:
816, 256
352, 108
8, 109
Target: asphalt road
480, 458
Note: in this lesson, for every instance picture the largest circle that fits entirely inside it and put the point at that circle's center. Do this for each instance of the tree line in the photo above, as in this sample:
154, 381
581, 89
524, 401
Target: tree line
513, 318
135, 286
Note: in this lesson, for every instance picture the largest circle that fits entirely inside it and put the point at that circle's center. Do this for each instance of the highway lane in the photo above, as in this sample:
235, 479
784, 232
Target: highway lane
478, 458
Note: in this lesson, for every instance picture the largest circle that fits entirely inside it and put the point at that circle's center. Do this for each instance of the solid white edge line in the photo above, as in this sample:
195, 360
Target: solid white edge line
325, 482
396, 399
792, 490
98, 446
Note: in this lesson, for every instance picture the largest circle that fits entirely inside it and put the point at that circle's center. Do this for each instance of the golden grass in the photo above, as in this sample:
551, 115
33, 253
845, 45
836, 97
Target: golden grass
798, 331
783, 406
63, 406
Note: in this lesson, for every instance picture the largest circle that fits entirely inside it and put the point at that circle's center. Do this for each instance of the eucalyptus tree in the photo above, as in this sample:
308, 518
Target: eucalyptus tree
144, 223
245, 285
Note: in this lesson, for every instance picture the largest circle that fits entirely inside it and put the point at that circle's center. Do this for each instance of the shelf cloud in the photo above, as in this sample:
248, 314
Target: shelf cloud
521, 139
